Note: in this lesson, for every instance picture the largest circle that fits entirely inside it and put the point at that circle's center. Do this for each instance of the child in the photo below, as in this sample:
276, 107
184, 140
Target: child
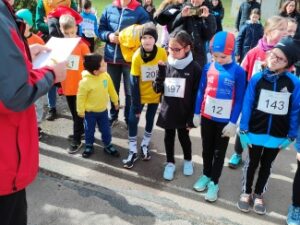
88, 28
178, 81
275, 29
292, 27
219, 101
269, 120
94, 91
293, 216
144, 68
150, 8
218, 12
32, 38
249, 35
70, 84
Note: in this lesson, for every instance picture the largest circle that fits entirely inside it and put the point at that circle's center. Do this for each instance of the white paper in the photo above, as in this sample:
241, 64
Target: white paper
61, 49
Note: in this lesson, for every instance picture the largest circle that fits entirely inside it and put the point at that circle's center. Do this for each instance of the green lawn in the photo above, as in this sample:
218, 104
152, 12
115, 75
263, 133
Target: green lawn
227, 22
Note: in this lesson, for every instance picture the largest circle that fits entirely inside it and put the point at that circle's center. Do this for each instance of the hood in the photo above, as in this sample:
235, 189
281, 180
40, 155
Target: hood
62, 10
133, 4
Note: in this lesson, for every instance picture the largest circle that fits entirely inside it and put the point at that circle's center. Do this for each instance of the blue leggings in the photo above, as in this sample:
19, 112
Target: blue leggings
133, 120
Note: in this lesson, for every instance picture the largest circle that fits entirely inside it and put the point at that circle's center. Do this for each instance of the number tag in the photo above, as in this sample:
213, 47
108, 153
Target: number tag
218, 108
272, 102
73, 62
149, 73
257, 67
174, 87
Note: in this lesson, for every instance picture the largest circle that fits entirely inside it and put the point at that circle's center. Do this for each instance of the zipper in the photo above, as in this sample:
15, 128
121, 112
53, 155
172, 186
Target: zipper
14, 186
270, 117
118, 30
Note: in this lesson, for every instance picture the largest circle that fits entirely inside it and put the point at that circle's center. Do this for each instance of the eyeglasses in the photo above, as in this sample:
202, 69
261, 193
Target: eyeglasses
278, 59
175, 49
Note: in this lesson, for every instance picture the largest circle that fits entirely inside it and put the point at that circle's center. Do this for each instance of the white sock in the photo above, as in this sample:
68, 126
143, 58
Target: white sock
132, 144
146, 139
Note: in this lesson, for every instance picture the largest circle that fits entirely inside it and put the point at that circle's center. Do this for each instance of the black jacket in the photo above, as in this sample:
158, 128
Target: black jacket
218, 13
244, 13
178, 112
201, 30
248, 38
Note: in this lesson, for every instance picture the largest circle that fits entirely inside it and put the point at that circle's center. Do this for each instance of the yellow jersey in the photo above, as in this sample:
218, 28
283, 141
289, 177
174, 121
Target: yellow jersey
147, 73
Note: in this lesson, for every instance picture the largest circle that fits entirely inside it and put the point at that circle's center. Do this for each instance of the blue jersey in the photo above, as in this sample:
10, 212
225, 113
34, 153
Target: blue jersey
220, 92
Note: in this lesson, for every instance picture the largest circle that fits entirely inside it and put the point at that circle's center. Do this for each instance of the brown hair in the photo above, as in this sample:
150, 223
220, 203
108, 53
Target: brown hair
255, 11
285, 4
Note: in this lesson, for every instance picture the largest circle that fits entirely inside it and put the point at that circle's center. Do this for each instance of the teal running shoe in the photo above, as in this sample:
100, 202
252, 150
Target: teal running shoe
293, 217
169, 171
212, 192
235, 161
201, 183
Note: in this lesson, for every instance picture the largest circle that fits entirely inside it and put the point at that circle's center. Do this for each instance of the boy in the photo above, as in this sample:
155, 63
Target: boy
94, 91
88, 28
70, 84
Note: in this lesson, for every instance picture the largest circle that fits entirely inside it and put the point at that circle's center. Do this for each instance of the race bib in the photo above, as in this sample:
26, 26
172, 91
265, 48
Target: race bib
89, 33
174, 87
275, 103
73, 62
218, 108
149, 73
257, 67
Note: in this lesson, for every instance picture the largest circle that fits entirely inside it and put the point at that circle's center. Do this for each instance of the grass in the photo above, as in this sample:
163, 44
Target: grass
228, 21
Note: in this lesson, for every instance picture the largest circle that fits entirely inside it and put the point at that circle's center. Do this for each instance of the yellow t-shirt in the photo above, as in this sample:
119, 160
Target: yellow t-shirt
147, 73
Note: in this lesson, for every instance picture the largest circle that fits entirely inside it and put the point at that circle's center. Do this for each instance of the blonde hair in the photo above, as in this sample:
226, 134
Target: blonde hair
66, 22
274, 23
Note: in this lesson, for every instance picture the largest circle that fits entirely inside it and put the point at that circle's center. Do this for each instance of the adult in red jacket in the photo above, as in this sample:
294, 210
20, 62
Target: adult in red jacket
20, 86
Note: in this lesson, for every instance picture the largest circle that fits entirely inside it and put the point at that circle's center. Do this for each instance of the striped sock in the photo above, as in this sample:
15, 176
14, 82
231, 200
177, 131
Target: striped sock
132, 144
146, 139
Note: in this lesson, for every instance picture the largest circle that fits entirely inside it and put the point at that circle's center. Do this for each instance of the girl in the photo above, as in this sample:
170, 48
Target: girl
150, 8
178, 81
275, 29
269, 120
219, 100
218, 12
249, 35
143, 71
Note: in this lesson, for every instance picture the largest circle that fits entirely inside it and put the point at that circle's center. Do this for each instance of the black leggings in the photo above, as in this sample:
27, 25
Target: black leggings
238, 146
263, 156
214, 148
78, 127
184, 139
296, 187
13, 209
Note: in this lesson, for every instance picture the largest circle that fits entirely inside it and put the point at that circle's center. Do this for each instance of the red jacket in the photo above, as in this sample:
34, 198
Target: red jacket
20, 86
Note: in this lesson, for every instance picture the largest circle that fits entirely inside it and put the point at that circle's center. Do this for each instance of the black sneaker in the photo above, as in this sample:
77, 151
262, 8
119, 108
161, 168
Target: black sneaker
110, 149
52, 115
88, 151
245, 202
128, 163
145, 154
259, 205
75, 147
40, 133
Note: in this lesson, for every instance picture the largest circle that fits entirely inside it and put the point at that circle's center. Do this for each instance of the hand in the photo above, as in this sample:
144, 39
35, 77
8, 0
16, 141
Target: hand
298, 157
285, 144
113, 38
36, 49
59, 69
196, 120
229, 130
116, 106
185, 11
245, 141
81, 115
205, 11
161, 63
